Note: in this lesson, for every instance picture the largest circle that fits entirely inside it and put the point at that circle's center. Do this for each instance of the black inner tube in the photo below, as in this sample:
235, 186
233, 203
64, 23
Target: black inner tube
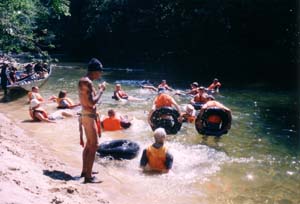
205, 128
119, 149
167, 118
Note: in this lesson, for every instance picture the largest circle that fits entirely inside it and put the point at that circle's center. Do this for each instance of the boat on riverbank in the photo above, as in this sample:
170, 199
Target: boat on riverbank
27, 82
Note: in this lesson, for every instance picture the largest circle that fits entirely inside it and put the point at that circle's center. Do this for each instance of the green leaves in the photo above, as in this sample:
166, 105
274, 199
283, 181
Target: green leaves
24, 24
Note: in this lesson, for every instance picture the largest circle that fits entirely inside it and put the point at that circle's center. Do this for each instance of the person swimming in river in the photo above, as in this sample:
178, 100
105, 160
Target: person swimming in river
121, 95
192, 92
64, 102
162, 100
156, 157
114, 122
214, 86
189, 115
39, 114
215, 119
163, 84
200, 98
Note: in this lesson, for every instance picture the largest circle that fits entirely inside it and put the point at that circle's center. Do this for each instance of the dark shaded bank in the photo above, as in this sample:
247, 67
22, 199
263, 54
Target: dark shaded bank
243, 41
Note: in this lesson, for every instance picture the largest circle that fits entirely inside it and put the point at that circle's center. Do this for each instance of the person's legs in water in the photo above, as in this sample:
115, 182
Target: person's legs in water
90, 148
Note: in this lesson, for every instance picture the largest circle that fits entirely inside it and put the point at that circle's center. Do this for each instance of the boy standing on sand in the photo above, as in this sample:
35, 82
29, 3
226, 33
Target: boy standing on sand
89, 118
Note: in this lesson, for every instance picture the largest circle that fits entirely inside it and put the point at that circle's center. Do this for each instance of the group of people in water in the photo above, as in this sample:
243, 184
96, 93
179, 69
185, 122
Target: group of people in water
156, 157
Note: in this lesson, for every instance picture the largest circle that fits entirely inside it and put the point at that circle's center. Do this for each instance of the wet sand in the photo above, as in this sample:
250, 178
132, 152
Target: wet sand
30, 173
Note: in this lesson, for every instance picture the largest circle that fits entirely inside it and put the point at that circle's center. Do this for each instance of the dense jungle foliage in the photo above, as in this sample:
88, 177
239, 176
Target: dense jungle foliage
229, 38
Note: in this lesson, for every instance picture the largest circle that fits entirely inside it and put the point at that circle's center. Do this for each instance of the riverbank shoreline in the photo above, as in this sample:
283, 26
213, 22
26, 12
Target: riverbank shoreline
29, 173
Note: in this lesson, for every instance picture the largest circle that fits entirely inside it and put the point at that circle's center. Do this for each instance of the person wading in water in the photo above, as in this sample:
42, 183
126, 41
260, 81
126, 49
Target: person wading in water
89, 118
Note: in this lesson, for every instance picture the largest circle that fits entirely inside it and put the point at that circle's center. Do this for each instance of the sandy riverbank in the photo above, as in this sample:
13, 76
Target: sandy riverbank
30, 174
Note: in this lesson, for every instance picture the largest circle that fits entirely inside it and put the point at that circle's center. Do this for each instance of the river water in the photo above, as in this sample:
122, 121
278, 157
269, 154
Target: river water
258, 161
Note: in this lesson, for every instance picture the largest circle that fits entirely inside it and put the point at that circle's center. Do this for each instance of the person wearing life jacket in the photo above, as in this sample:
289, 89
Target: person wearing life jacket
37, 113
113, 122
162, 100
200, 98
189, 115
214, 86
119, 94
64, 102
34, 94
156, 157
214, 120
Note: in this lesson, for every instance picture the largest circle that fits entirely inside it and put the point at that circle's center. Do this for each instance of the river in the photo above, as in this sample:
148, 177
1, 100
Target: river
258, 161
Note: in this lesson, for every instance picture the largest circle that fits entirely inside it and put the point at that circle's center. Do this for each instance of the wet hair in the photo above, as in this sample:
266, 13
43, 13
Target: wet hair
111, 112
195, 84
62, 94
35, 88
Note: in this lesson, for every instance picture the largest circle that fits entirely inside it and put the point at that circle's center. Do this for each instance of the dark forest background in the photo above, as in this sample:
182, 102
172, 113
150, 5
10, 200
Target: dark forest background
241, 40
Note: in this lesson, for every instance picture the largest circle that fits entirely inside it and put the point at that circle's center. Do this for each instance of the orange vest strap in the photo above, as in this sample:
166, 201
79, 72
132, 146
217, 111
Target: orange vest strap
157, 157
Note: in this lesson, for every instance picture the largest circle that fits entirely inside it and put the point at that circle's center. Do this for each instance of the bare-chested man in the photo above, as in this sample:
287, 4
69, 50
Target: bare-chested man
89, 119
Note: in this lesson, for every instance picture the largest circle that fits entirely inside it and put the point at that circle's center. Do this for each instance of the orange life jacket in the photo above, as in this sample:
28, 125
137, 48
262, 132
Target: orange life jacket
111, 124
214, 119
189, 118
157, 158
32, 114
163, 100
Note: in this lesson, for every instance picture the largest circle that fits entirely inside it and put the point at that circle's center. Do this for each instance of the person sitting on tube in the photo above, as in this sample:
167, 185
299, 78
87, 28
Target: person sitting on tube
162, 100
214, 120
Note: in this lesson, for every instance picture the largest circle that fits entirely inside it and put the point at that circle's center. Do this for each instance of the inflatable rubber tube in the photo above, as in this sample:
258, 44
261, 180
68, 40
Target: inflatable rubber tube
204, 128
119, 149
172, 125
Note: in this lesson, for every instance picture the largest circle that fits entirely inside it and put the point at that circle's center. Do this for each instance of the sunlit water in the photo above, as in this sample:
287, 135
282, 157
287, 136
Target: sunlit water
256, 162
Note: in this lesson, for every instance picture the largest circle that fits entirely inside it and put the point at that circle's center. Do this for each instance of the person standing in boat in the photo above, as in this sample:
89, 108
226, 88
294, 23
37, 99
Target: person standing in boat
4, 78
89, 118
156, 157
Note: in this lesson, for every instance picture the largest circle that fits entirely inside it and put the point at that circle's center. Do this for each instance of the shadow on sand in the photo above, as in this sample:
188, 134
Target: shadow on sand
59, 175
